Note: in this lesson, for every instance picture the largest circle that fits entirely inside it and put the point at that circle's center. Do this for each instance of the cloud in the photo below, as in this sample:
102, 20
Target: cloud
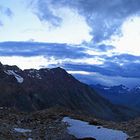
96, 78
99, 47
45, 49
90, 68
45, 12
129, 41
123, 58
47, 24
1, 24
94, 25
75, 59
125, 65
82, 73
104, 16
6, 11
27, 62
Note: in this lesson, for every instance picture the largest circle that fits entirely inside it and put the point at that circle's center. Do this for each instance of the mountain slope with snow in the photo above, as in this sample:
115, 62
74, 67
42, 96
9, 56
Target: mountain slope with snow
120, 95
31, 90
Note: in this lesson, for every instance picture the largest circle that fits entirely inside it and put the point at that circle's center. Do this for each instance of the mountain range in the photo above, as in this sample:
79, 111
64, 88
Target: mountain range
120, 95
32, 90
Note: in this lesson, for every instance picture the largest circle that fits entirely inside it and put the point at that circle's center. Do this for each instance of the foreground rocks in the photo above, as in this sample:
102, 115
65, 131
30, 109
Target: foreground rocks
47, 125
132, 127
37, 126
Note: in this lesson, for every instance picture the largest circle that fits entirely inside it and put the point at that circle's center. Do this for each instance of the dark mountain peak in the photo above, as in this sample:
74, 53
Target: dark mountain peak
8, 67
13, 67
58, 69
45, 74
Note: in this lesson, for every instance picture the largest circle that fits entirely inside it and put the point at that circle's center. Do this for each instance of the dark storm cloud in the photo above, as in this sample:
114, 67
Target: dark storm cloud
104, 16
110, 69
119, 69
47, 49
119, 65
90, 68
104, 48
126, 70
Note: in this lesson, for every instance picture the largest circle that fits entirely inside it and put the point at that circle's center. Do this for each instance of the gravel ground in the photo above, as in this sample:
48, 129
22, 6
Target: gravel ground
47, 125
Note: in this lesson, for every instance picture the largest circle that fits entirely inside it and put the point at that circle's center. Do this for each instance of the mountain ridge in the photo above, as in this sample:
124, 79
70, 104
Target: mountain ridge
120, 95
31, 90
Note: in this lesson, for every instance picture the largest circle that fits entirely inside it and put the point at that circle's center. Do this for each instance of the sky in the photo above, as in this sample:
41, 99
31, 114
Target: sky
98, 41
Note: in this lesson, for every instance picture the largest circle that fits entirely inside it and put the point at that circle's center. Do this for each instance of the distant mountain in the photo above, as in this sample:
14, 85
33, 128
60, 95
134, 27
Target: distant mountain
120, 95
31, 90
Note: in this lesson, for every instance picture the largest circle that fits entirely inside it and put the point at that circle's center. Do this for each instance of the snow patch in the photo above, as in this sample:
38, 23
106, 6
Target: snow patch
18, 77
22, 130
32, 71
34, 74
81, 129
38, 76
30, 139
106, 88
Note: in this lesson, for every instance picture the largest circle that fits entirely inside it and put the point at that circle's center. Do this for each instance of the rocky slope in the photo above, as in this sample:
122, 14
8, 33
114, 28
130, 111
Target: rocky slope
31, 90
